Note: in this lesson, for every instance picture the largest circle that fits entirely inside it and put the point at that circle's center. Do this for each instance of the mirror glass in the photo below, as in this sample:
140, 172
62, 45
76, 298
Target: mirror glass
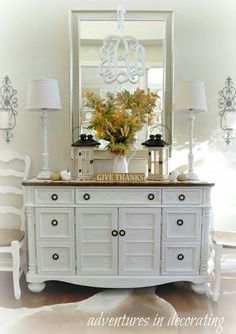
153, 32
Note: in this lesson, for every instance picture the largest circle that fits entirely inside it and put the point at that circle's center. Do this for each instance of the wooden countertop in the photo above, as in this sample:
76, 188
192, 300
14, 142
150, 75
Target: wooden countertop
93, 183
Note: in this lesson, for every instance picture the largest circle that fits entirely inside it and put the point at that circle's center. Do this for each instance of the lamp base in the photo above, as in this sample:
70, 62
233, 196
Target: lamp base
44, 175
192, 176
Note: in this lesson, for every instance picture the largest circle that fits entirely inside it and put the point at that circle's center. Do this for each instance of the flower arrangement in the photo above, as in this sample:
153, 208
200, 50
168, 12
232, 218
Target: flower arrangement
118, 117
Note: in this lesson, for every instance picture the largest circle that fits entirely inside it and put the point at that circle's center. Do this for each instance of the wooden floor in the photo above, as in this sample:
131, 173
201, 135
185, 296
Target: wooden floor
180, 295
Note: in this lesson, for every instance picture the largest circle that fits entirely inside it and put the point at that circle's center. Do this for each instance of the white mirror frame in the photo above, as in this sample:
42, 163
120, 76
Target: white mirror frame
75, 72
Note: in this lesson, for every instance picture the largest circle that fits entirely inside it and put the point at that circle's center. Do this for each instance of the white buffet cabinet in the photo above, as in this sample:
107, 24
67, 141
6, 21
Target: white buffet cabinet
117, 235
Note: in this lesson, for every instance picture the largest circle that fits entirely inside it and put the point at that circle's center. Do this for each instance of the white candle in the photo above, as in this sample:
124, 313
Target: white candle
4, 119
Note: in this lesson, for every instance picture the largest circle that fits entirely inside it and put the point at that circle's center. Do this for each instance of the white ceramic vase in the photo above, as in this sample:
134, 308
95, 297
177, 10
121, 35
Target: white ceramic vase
120, 164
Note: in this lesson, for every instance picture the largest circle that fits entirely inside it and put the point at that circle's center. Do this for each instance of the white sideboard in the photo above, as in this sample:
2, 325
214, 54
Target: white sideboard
117, 235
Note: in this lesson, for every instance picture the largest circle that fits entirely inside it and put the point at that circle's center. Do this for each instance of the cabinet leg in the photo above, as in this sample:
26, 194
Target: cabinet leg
36, 287
200, 288
217, 272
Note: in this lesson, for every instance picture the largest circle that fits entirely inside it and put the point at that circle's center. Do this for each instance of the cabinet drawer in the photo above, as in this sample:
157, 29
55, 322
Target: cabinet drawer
53, 259
182, 196
118, 196
54, 196
54, 223
180, 259
181, 224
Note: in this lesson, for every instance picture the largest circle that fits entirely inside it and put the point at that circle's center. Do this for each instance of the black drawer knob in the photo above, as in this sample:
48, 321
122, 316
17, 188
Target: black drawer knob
55, 256
151, 197
122, 233
86, 197
180, 222
114, 233
180, 257
181, 197
54, 222
54, 197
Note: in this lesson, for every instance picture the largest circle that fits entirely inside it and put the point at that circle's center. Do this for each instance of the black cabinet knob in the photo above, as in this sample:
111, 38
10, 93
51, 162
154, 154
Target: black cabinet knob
180, 222
114, 233
55, 256
151, 197
54, 197
54, 222
180, 257
181, 197
122, 233
86, 197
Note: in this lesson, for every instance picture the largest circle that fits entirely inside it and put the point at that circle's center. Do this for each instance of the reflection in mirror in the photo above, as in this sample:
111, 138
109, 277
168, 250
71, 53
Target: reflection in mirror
153, 32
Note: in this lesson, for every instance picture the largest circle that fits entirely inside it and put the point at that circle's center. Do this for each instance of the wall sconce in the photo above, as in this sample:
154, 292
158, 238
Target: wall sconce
8, 105
227, 106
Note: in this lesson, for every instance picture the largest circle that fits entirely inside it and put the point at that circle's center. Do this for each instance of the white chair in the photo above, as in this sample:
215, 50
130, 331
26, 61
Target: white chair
222, 242
12, 236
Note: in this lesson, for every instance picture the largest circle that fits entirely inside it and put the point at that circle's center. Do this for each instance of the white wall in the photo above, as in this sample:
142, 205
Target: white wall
35, 43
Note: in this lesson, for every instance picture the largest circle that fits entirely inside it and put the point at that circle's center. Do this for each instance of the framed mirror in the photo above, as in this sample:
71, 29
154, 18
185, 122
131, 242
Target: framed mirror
153, 30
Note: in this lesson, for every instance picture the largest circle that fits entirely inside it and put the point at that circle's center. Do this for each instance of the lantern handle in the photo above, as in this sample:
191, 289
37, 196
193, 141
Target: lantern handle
158, 127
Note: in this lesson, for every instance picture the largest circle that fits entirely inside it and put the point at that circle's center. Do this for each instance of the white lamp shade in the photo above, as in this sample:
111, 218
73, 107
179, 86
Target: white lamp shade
43, 94
190, 95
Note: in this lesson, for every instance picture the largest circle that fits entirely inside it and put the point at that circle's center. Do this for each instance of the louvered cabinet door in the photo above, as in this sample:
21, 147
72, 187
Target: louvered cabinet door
139, 241
97, 237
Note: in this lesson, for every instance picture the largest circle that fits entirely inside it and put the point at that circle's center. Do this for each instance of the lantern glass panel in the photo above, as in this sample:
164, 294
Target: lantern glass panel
87, 158
85, 161
153, 156
160, 159
152, 167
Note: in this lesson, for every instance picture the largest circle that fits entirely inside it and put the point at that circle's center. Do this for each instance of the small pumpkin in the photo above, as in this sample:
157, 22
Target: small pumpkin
56, 176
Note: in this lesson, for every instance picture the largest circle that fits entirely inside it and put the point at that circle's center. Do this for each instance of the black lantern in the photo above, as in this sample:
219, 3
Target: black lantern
158, 153
84, 156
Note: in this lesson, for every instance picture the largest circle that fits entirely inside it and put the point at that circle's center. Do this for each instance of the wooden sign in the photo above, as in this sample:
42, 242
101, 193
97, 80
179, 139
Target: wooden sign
120, 177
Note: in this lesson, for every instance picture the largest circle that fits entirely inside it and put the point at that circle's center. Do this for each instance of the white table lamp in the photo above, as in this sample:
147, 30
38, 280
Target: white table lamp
190, 98
43, 95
